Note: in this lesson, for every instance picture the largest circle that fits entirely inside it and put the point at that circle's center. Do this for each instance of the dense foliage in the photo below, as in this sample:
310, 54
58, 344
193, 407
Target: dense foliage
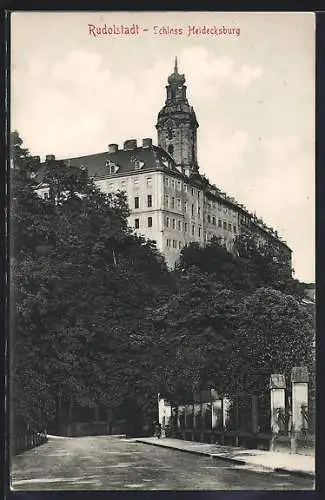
99, 323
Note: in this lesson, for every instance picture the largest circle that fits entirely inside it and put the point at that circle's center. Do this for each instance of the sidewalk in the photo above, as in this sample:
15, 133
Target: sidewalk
277, 461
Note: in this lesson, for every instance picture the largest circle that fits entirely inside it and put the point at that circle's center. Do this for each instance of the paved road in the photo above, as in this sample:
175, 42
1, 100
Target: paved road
111, 463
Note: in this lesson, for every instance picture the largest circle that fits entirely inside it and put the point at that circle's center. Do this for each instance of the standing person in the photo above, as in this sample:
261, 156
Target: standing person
158, 430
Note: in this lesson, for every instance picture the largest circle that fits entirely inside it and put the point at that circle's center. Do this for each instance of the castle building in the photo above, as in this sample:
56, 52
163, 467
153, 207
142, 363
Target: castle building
169, 200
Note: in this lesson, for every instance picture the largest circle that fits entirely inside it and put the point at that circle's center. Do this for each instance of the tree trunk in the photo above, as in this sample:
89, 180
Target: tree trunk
114, 257
59, 412
70, 410
109, 421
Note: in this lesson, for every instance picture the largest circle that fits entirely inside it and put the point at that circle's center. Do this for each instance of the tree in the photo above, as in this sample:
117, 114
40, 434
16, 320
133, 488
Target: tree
221, 264
80, 280
191, 335
274, 333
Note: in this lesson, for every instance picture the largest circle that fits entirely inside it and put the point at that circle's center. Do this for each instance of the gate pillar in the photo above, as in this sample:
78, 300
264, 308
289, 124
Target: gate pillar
299, 381
277, 390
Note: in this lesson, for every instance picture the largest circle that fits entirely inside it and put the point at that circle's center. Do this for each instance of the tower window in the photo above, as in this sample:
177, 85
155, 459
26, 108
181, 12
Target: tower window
225, 225
174, 223
167, 200
229, 227
167, 221
136, 223
149, 200
219, 223
173, 202
170, 134
179, 225
170, 149
136, 202
214, 221
149, 221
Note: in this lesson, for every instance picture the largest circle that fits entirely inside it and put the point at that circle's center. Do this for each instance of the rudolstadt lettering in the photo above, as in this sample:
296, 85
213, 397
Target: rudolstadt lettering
114, 29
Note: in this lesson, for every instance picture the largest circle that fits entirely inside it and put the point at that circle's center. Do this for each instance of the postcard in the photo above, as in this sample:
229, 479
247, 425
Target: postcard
162, 251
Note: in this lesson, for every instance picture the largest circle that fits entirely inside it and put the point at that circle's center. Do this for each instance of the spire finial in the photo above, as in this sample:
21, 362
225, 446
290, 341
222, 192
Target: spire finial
176, 68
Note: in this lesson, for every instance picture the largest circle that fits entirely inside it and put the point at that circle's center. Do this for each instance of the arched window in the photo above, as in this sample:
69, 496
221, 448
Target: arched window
170, 149
169, 134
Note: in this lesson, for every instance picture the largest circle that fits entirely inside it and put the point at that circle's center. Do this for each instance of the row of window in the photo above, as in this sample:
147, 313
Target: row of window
215, 206
123, 185
173, 224
174, 243
137, 201
137, 222
222, 224
178, 185
171, 202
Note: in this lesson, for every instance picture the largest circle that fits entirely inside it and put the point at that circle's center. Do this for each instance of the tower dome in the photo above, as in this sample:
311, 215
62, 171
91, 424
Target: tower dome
176, 78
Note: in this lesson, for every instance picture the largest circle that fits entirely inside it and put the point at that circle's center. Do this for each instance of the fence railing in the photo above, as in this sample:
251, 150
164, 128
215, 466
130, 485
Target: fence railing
24, 442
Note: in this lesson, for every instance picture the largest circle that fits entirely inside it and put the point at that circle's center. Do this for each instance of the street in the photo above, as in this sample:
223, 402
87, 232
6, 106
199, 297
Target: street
112, 463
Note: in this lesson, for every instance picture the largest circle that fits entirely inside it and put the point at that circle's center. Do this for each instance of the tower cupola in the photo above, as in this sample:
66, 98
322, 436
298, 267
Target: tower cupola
177, 124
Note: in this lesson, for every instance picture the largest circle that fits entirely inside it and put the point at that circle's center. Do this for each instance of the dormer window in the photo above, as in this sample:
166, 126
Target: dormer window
137, 163
112, 167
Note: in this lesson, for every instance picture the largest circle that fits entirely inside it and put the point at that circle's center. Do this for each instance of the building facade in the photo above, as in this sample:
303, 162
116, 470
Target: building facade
170, 201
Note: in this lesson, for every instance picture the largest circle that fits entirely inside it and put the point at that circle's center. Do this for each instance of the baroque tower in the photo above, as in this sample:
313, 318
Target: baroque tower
177, 124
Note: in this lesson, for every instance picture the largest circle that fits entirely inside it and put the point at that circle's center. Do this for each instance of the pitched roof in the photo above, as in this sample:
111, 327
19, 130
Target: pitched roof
148, 158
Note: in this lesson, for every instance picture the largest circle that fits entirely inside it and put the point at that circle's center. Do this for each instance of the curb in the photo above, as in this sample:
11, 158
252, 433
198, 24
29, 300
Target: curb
233, 460
299, 473
193, 452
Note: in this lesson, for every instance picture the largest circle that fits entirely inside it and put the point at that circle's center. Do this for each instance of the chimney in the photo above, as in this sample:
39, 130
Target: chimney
147, 142
49, 157
130, 144
112, 148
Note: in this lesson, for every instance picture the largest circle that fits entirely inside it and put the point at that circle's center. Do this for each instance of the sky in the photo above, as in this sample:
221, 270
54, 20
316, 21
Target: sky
73, 93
